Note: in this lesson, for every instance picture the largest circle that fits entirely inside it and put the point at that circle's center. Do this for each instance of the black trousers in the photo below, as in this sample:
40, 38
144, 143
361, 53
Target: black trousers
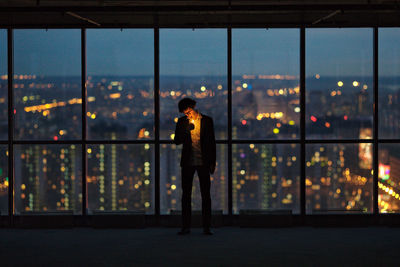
205, 185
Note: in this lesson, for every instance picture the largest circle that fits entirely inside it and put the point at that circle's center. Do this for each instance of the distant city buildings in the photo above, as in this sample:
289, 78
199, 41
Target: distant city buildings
120, 177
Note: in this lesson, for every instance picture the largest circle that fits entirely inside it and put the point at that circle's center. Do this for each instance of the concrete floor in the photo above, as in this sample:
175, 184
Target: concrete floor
229, 246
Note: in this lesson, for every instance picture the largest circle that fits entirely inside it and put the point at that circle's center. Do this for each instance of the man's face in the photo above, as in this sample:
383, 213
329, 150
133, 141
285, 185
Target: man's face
189, 112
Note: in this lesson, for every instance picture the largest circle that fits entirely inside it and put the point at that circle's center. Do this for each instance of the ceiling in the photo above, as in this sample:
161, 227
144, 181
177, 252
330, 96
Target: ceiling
198, 13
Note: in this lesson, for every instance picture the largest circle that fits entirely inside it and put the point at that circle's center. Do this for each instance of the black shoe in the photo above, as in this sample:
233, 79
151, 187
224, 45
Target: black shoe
207, 231
184, 231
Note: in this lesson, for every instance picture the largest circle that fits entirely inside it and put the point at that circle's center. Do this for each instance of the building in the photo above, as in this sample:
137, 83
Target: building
89, 94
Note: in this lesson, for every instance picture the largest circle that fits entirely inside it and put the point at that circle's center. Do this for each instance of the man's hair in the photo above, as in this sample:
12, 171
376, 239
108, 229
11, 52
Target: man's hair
186, 103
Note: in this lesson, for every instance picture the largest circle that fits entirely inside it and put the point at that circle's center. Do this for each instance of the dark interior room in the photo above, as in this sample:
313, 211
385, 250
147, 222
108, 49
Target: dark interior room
199, 133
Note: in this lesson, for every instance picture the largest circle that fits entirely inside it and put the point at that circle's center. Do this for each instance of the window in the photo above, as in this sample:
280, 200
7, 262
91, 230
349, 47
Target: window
388, 178
193, 64
3, 86
47, 85
339, 178
120, 84
265, 84
266, 177
389, 112
120, 178
4, 180
48, 178
170, 176
389, 83
264, 148
339, 83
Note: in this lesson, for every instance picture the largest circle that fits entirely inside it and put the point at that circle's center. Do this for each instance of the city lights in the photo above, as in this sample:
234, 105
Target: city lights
120, 175
313, 118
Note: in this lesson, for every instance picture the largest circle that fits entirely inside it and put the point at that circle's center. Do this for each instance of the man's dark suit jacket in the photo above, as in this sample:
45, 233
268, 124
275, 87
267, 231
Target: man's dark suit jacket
207, 141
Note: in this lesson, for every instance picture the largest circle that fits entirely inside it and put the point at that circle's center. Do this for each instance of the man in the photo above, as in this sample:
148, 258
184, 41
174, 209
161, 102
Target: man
196, 132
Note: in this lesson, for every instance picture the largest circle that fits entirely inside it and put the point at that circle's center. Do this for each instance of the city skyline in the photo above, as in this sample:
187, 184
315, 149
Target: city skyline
285, 195
265, 106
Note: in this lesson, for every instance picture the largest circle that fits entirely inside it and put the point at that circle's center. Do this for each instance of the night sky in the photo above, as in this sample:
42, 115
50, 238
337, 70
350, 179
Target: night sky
329, 52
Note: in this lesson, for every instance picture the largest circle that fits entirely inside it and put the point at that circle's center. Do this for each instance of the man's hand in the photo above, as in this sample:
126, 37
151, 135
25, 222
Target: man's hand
190, 127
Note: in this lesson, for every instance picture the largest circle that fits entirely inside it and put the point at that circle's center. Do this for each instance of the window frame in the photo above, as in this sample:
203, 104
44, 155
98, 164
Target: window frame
157, 142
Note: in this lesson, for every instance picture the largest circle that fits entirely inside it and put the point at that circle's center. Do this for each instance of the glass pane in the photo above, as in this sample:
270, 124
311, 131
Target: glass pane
389, 178
265, 84
120, 83
339, 92
193, 63
266, 177
48, 178
170, 176
120, 178
47, 84
339, 178
3, 85
4, 180
389, 83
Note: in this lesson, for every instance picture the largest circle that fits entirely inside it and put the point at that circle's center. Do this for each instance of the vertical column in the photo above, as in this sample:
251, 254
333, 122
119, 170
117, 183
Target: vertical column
302, 121
376, 125
84, 129
10, 76
229, 32
157, 121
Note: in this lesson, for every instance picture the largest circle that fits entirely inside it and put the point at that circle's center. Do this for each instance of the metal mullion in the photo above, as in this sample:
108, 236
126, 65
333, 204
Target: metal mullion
338, 141
267, 141
294, 141
308, 141
10, 77
260, 25
234, 141
107, 142
376, 124
46, 142
302, 121
157, 121
121, 142
388, 141
84, 129
229, 43
171, 142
